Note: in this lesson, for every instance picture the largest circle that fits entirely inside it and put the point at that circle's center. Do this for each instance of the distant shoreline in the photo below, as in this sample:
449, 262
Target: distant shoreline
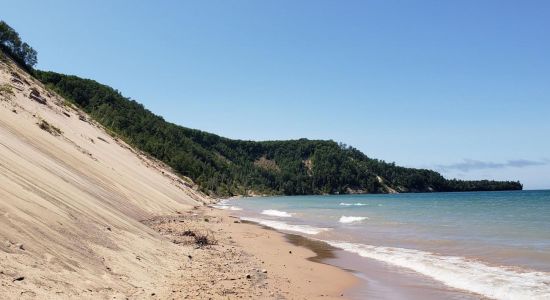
217, 199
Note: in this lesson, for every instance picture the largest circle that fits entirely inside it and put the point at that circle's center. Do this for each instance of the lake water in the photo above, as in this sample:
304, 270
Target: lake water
492, 244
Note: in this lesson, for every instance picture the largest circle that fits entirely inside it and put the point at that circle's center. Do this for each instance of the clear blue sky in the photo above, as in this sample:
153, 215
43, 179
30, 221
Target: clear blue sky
459, 86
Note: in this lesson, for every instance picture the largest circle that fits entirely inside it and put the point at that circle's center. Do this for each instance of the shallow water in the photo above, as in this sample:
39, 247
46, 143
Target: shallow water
495, 244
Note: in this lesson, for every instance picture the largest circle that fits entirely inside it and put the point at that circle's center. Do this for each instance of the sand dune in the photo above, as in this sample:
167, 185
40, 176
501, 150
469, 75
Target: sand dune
83, 215
71, 201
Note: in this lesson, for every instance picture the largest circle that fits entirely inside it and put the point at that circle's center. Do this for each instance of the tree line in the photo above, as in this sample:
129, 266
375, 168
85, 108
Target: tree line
225, 167
21, 52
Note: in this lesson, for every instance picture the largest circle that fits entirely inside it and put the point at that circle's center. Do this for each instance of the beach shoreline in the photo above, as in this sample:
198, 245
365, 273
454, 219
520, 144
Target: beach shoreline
375, 279
85, 215
296, 270
372, 279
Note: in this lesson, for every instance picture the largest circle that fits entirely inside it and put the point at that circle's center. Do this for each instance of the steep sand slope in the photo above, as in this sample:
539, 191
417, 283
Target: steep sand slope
71, 201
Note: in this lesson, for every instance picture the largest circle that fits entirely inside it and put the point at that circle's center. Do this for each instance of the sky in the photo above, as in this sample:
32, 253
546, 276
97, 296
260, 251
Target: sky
462, 87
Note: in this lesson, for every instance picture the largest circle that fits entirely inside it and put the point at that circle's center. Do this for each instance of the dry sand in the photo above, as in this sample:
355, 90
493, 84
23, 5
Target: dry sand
246, 261
83, 215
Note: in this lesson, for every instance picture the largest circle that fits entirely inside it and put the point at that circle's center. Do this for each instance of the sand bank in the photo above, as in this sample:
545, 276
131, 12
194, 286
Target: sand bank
246, 261
85, 216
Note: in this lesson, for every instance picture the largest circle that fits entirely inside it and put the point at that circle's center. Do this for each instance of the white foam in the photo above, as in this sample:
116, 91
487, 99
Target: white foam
459, 272
351, 219
287, 227
223, 202
353, 204
226, 207
276, 213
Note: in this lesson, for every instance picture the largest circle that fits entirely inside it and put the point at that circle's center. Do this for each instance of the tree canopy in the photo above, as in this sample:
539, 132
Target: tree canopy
227, 167
21, 52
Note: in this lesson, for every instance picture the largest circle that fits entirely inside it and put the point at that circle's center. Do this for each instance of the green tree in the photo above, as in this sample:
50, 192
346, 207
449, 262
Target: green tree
21, 52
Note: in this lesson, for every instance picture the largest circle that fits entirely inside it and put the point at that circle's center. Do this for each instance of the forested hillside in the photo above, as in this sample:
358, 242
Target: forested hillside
19, 51
227, 167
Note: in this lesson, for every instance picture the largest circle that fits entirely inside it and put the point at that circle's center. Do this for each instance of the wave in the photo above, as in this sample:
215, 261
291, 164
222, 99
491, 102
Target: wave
227, 207
223, 202
276, 213
307, 229
351, 219
459, 272
353, 204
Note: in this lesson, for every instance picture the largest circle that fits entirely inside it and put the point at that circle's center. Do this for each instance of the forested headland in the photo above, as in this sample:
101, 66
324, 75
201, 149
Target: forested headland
226, 167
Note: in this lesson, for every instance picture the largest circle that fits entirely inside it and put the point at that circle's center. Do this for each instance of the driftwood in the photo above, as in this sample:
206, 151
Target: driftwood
35, 95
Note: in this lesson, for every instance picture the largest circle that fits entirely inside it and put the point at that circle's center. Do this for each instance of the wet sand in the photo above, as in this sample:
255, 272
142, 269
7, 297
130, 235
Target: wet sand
292, 267
379, 280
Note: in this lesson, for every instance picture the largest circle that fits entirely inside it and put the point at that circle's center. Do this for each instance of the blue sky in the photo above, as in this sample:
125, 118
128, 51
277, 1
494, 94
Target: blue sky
459, 86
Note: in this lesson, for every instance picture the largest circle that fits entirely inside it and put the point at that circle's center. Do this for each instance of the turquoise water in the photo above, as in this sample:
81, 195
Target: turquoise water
496, 244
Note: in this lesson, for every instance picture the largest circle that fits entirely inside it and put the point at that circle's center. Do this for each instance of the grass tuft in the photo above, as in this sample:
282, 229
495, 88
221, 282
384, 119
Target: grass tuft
6, 89
44, 125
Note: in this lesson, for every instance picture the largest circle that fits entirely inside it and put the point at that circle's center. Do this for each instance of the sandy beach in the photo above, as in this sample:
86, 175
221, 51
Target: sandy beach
274, 150
84, 215
246, 261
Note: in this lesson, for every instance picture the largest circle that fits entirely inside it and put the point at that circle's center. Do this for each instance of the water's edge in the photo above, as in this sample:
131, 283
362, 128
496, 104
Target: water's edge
471, 245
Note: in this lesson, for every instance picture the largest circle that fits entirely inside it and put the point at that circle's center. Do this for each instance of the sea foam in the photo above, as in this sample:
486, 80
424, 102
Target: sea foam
351, 219
224, 204
353, 204
276, 213
307, 229
459, 272
227, 207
